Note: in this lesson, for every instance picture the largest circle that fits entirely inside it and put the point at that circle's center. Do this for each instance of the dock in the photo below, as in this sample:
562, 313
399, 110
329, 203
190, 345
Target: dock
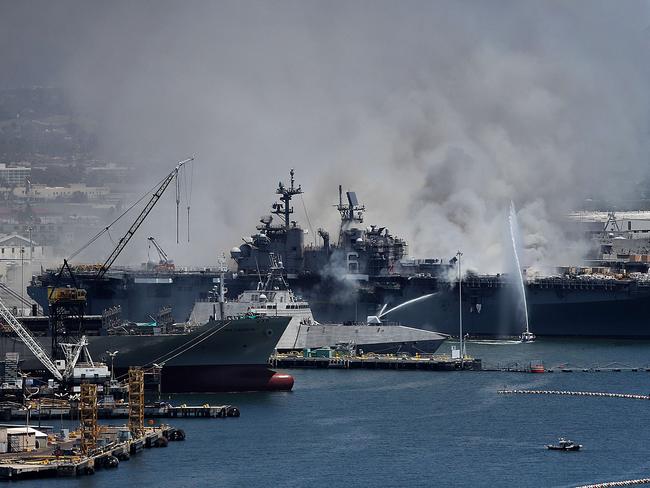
65, 462
118, 411
383, 362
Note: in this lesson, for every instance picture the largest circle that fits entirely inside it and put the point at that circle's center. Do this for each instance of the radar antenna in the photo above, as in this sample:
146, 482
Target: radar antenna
285, 209
351, 212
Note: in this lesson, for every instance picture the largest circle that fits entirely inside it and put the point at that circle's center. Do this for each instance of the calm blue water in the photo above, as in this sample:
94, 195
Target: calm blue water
389, 428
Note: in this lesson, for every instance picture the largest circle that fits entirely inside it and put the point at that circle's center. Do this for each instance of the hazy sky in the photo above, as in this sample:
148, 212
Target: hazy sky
436, 113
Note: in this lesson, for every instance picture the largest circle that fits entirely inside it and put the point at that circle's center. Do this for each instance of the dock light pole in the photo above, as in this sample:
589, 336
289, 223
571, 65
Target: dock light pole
460, 309
112, 356
61, 396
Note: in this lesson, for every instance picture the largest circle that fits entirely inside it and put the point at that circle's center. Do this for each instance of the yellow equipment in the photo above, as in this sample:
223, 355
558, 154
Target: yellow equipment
66, 294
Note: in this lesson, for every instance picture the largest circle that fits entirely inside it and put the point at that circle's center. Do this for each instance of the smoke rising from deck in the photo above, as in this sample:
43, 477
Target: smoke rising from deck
437, 114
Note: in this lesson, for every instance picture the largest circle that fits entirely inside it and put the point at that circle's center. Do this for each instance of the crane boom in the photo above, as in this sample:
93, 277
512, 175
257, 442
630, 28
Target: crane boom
29, 341
161, 253
138, 221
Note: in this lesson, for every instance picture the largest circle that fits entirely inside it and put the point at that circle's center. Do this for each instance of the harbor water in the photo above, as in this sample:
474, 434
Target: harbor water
416, 428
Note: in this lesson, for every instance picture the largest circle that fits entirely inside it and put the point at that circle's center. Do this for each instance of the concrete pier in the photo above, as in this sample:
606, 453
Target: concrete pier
388, 361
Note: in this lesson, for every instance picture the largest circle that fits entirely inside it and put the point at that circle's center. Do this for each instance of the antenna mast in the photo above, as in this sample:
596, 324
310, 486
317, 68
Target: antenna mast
285, 209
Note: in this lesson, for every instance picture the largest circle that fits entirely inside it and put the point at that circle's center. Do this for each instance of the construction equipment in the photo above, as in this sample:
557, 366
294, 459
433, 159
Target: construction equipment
164, 263
136, 401
67, 304
29, 340
88, 417
124, 240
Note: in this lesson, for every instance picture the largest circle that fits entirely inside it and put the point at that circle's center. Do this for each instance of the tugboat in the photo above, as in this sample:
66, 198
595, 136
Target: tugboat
564, 445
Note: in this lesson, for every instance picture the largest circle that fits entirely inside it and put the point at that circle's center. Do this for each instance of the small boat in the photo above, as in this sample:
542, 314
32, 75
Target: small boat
537, 367
527, 336
564, 445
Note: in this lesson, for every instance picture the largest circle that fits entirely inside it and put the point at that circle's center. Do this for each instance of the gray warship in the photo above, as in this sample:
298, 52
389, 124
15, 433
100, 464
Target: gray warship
274, 297
220, 355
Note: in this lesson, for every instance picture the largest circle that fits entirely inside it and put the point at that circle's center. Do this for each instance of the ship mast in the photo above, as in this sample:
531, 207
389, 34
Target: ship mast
285, 209
350, 212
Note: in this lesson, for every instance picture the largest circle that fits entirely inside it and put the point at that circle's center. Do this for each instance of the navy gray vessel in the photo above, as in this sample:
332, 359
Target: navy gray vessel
275, 298
220, 355
364, 268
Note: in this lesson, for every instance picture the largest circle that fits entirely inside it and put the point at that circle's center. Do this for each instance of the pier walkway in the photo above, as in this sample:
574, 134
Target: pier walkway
377, 361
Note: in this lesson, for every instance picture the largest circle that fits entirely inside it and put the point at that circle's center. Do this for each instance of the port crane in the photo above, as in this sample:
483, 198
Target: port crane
124, 240
165, 262
29, 340
68, 303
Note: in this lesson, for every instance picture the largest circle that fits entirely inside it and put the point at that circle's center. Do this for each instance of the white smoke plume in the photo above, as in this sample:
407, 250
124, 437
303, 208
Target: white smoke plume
436, 113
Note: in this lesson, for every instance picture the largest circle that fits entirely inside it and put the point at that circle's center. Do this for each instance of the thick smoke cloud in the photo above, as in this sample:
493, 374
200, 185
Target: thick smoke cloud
436, 113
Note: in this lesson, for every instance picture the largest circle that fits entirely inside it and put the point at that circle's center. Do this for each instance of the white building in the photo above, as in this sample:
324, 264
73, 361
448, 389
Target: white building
14, 175
42, 192
21, 439
16, 248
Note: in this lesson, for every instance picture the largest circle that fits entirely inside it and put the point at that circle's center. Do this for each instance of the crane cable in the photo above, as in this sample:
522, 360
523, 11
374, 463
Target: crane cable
188, 196
105, 229
311, 229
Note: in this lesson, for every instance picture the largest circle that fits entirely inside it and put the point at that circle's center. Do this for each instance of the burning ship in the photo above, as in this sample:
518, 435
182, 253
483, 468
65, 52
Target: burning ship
368, 267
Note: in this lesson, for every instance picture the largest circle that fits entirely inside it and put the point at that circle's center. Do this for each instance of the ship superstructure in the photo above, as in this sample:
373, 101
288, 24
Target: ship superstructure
274, 297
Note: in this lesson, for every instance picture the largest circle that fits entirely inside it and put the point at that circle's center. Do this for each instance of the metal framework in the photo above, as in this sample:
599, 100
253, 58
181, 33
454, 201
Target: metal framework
88, 417
29, 340
164, 259
66, 320
285, 209
136, 402
138, 221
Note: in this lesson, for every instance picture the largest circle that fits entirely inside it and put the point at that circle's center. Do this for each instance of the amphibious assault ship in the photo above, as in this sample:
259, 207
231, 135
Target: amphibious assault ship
368, 267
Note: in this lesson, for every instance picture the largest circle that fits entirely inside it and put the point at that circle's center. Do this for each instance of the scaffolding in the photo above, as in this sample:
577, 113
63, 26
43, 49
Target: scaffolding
136, 402
88, 417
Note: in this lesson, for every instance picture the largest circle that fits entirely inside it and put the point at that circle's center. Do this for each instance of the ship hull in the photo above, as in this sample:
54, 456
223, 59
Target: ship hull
229, 355
612, 309
569, 310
